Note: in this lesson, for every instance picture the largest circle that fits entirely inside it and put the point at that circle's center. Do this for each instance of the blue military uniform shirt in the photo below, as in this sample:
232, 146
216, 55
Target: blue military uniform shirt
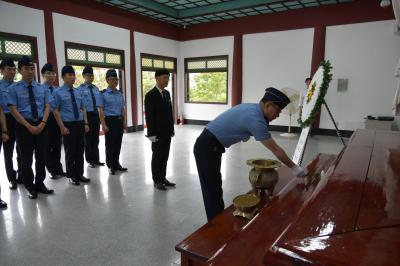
47, 86
63, 102
239, 123
87, 97
18, 95
4, 85
112, 102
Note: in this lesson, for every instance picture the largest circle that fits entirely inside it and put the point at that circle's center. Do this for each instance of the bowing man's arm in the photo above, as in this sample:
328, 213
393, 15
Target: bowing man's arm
271, 145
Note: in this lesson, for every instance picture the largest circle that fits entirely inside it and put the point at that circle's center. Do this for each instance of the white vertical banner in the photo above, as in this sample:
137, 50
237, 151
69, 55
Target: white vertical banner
301, 145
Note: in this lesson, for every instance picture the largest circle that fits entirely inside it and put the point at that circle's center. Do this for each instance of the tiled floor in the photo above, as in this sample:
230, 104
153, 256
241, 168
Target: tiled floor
122, 220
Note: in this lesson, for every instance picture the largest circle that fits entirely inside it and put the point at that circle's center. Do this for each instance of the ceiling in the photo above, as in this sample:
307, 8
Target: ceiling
189, 12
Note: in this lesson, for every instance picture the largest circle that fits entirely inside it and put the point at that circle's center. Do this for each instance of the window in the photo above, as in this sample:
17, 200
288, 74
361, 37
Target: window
206, 80
15, 46
100, 58
86, 55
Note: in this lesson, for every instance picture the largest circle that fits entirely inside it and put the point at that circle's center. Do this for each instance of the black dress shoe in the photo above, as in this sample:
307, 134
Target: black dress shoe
111, 171
160, 186
32, 194
13, 185
99, 163
3, 205
74, 182
168, 184
62, 174
122, 169
44, 190
19, 180
55, 176
84, 179
92, 165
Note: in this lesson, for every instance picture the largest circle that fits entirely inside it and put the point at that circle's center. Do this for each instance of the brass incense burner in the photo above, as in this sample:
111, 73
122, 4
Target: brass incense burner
263, 176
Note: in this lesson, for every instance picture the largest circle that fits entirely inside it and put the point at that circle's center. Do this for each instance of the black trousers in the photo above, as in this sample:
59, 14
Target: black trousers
159, 158
208, 152
92, 138
1, 142
8, 148
53, 147
114, 140
28, 145
73, 147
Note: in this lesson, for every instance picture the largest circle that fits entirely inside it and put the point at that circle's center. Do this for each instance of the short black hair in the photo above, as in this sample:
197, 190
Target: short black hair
307, 79
7, 62
47, 67
161, 71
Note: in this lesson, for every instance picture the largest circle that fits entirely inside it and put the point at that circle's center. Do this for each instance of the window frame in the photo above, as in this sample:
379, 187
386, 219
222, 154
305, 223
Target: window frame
205, 58
93, 48
24, 38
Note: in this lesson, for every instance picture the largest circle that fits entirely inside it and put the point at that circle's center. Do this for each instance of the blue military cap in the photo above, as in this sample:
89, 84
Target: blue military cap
7, 62
87, 70
67, 70
47, 67
277, 97
111, 73
162, 71
25, 61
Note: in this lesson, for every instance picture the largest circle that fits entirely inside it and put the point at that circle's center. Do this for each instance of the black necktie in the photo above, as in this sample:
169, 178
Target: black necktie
74, 106
164, 94
32, 101
93, 98
51, 89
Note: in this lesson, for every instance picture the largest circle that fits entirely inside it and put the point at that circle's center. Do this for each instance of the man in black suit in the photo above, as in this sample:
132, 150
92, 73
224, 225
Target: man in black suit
160, 127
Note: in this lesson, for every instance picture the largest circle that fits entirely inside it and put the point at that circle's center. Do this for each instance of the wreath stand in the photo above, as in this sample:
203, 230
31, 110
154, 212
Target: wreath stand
302, 143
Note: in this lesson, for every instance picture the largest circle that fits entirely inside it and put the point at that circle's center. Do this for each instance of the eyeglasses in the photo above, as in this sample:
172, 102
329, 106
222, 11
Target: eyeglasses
50, 73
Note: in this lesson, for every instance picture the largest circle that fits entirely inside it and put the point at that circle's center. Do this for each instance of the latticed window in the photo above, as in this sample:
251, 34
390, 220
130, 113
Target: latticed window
207, 79
153, 62
16, 46
84, 55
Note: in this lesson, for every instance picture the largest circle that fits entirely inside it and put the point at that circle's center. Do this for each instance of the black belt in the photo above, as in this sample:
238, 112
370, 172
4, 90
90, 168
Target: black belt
213, 138
114, 116
72, 122
38, 121
93, 112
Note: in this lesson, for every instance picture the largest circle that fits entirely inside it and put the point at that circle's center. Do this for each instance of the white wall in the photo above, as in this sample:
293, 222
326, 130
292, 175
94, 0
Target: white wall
366, 54
199, 48
276, 59
82, 31
22, 20
149, 44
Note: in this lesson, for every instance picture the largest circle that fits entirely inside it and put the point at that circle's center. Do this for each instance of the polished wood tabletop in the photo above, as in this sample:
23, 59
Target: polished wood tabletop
349, 214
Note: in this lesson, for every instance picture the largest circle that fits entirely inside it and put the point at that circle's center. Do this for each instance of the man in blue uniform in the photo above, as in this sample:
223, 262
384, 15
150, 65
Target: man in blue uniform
70, 113
29, 103
53, 148
237, 124
91, 96
4, 132
112, 110
7, 68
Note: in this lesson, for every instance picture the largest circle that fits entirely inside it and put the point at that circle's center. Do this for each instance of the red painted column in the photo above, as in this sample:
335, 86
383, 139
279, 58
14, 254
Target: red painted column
50, 45
133, 81
237, 70
318, 54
